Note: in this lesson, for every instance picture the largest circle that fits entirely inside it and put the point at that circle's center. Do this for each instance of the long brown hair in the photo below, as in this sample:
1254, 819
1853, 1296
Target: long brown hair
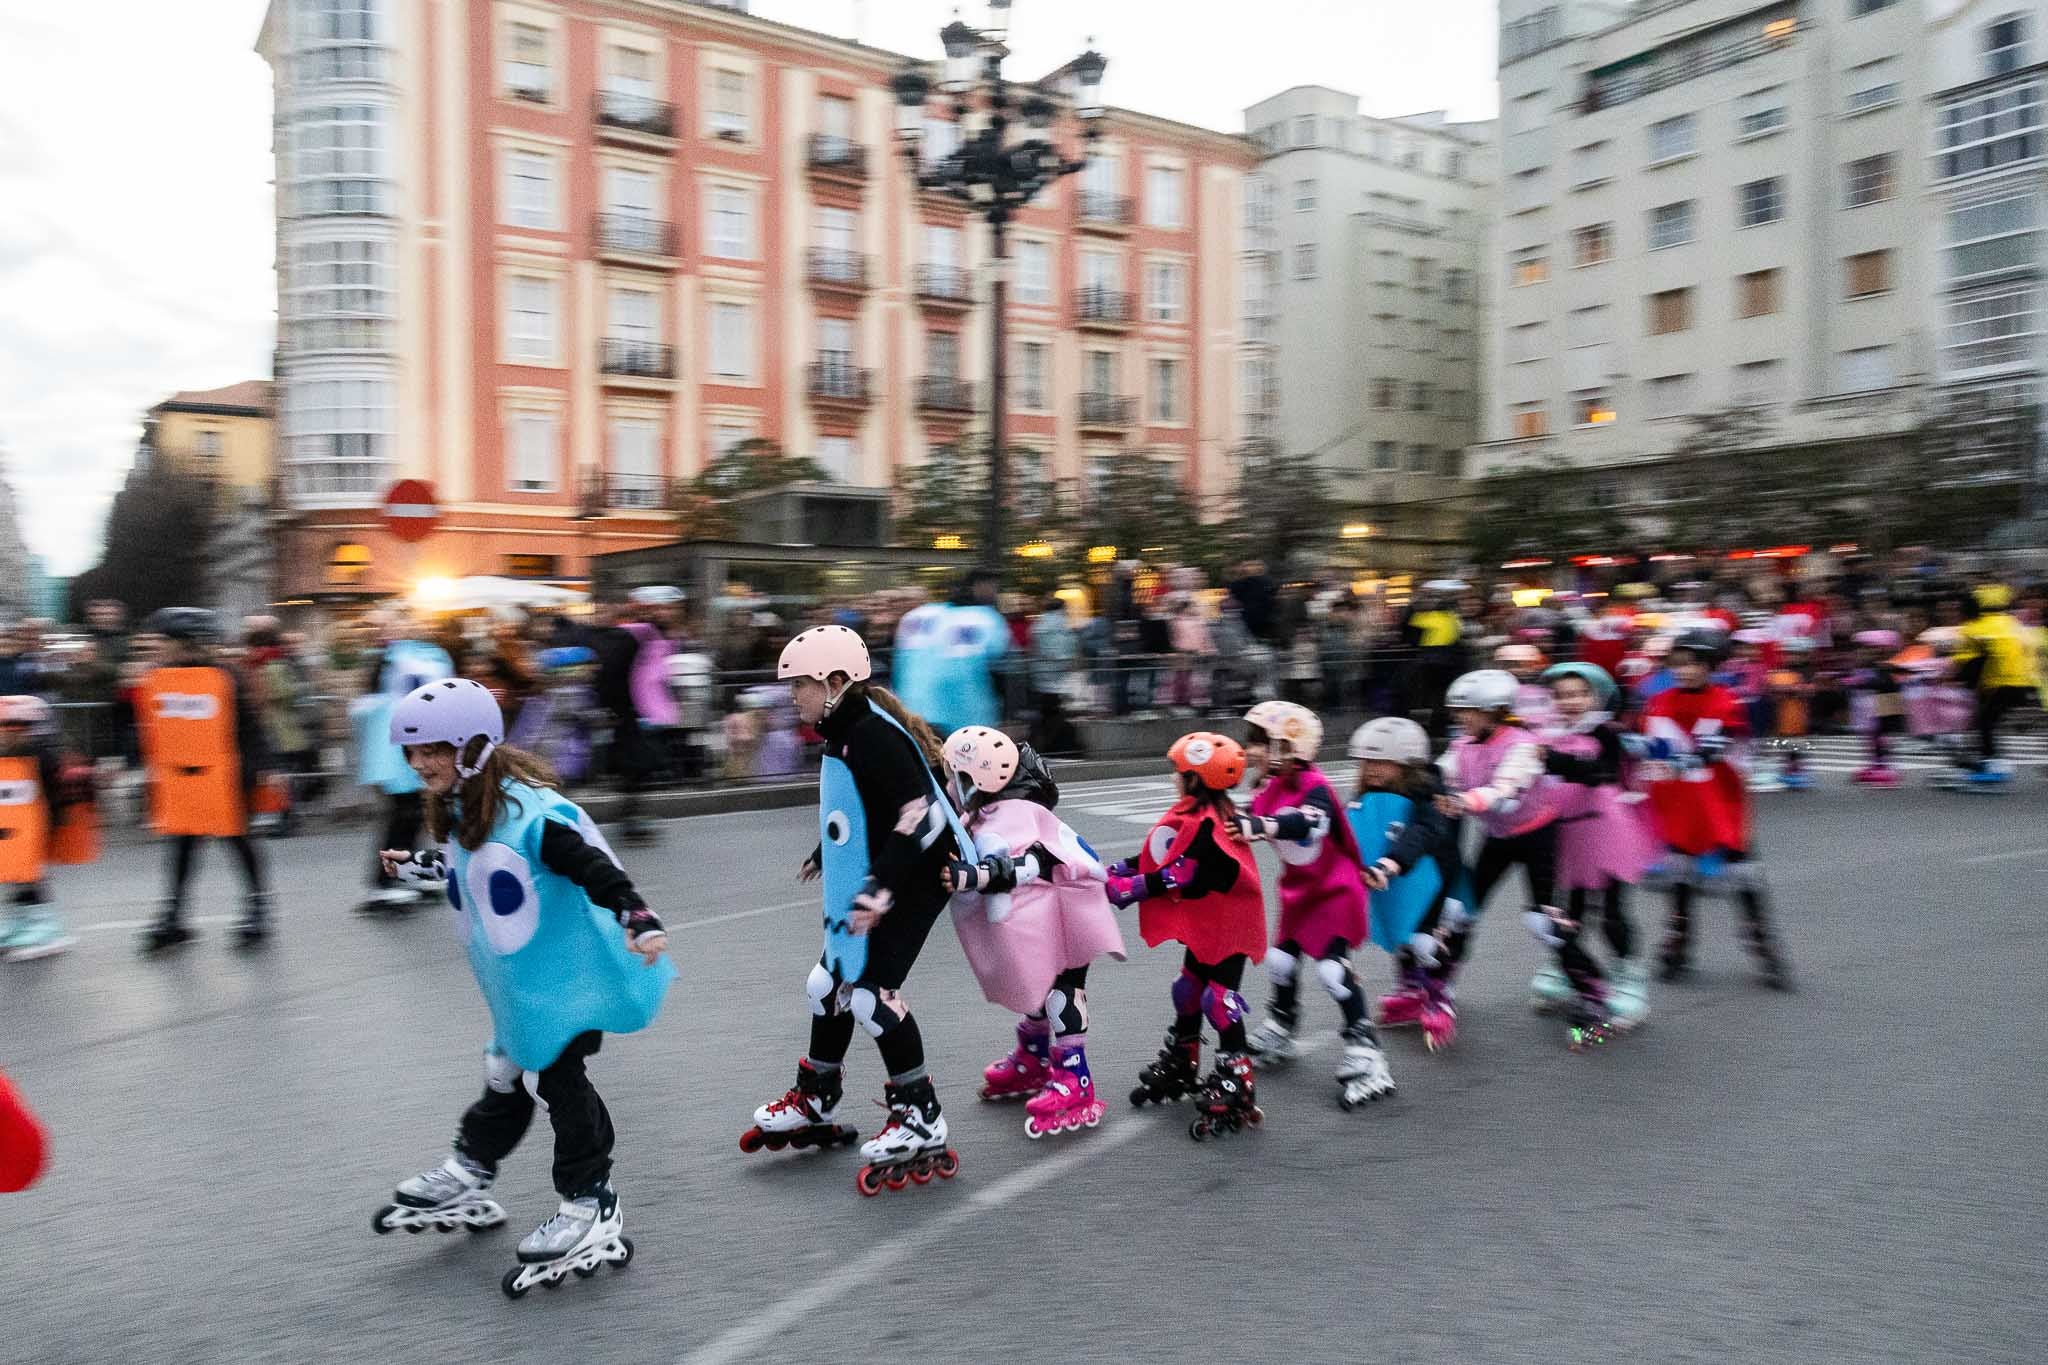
1207, 798
882, 699
481, 799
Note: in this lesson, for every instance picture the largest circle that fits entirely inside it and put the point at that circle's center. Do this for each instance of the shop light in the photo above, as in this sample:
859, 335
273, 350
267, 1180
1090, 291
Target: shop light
949, 541
1355, 530
1102, 554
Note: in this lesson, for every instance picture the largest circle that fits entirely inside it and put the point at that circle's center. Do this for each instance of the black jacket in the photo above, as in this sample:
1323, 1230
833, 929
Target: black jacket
890, 773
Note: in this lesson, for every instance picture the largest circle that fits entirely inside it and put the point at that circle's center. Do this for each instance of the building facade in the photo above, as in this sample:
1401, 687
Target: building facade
227, 437
1710, 206
551, 256
1367, 296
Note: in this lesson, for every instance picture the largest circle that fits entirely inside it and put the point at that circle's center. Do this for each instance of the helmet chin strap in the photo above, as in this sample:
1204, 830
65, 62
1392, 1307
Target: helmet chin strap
831, 701
466, 771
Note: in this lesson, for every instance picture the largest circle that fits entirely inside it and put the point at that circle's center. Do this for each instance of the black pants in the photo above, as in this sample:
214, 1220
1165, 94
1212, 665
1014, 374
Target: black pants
185, 857
1616, 926
1757, 933
492, 1126
405, 818
1536, 854
1228, 974
1993, 705
1287, 994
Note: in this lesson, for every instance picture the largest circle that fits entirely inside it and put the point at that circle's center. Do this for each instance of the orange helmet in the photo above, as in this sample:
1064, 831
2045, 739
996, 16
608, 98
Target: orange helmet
1216, 760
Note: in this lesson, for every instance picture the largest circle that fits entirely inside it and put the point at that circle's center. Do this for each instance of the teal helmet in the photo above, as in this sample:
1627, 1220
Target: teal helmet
1592, 675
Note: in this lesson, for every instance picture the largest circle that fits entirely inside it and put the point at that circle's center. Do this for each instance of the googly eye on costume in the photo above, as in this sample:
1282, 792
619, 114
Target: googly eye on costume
1200, 751
461, 915
502, 891
1160, 844
836, 827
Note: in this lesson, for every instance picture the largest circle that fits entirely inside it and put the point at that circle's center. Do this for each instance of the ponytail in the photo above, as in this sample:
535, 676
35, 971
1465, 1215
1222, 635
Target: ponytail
921, 731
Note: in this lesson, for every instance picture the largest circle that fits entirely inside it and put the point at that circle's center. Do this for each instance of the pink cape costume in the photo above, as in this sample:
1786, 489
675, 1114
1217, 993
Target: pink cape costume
1019, 941
1603, 833
1472, 764
1322, 891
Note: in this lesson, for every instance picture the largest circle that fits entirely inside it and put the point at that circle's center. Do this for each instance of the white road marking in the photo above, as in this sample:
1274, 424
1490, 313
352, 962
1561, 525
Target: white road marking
2010, 855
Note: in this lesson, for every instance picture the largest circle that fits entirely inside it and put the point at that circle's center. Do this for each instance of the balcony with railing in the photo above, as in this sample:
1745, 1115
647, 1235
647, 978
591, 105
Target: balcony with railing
1103, 309
831, 268
1101, 211
838, 383
944, 394
636, 492
832, 157
1107, 412
631, 239
623, 116
1688, 59
625, 361
944, 286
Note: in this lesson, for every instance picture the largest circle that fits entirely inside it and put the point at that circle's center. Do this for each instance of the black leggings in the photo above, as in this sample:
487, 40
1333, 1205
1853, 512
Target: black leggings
1286, 1005
1616, 926
1535, 852
1073, 1019
1757, 933
1227, 974
492, 1126
1992, 706
185, 857
405, 816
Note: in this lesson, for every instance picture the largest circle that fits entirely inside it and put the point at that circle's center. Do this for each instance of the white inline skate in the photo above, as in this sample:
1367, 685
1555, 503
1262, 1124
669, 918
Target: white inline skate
454, 1194
1362, 1076
911, 1146
585, 1233
1272, 1043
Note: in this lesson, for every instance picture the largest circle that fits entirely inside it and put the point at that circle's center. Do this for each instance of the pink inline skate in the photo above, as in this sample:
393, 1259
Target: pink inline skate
1068, 1100
1403, 1004
1023, 1072
1439, 1015
1880, 775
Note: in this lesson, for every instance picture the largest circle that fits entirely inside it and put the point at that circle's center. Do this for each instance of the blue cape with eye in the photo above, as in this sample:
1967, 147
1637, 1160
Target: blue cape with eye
942, 660
408, 664
1377, 818
843, 854
551, 964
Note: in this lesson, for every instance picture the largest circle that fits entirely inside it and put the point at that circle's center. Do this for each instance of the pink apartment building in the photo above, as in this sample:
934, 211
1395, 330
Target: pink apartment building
550, 255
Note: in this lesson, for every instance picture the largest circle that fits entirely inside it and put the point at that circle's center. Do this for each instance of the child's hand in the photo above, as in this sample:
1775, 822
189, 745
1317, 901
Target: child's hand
868, 908
1450, 807
810, 870
649, 946
1381, 874
393, 859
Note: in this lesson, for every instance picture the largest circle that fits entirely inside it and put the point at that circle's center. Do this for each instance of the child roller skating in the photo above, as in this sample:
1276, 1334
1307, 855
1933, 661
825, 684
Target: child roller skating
1195, 883
564, 950
885, 831
1877, 706
36, 802
1322, 896
1032, 914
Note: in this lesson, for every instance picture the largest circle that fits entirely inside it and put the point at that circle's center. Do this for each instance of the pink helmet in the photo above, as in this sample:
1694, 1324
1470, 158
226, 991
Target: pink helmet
981, 759
822, 651
1292, 729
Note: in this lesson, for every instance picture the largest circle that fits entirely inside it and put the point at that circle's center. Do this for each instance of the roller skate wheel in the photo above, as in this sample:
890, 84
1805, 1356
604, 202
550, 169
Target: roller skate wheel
415, 1228
1198, 1129
923, 1175
1138, 1097
897, 1178
584, 1272
514, 1284
868, 1181
948, 1164
625, 1256
377, 1223
1032, 1130
1257, 1116
751, 1140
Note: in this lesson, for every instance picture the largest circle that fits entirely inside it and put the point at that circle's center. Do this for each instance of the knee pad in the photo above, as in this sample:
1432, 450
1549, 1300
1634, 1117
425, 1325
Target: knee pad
1280, 965
1187, 993
819, 986
1337, 978
1424, 948
1456, 916
1223, 1006
1068, 1013
876, 1011
501, 1073
1542, 928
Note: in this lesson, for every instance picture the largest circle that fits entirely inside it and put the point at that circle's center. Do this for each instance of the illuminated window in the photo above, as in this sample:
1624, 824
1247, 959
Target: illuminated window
1592, 408
348, 565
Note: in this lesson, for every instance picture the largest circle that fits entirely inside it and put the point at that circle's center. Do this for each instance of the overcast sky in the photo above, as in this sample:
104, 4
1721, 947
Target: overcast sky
135, 210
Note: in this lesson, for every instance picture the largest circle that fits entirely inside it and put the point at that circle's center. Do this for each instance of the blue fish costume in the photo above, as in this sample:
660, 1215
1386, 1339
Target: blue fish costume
550, 963
942, 664
843, 854
1377, 819
408, 665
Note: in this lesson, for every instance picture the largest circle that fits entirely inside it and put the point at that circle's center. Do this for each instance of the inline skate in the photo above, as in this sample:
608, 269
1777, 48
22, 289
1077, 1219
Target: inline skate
1068, 1100
1403, 1005
1882, 776
585, 1233
803, 1117
1362, 1075
254, 925
1589, 1022
35, 932
1228, 1099
1273, 1043
1174, 1073
1022, 1072
1628, 993
454, 1194
1549, 992
1439, 1015
912, 1144
167, 931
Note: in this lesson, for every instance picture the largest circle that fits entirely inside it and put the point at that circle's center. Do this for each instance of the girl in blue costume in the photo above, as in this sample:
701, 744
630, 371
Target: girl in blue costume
541, 901
886, 831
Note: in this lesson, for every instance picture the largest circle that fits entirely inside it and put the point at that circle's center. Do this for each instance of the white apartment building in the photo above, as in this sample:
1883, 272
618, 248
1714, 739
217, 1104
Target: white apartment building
1367, 296
1706, 205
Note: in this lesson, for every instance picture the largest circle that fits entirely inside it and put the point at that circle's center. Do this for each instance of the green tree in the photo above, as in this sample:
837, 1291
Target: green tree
704, 504
1281, 509
158, 534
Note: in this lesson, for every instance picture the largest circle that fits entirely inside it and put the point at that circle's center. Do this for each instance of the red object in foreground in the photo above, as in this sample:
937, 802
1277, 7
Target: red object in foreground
410, 510
22, 1146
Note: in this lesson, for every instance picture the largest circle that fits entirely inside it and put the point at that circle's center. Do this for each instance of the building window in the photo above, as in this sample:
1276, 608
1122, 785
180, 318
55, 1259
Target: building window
535, 453
530, 320
1866, 368
1454, 165
1671, 395
1867, 273
527, 76
732, 341
1034, 273
1592, 244
1166, 401
942, 354
1453, 463
1031, 372
836, 456
1528, 420
730, 114
1757, 382
1101, 271
337, 435
1418, 459
338, 161
1592, 164
1304, 196
1385, 393
1760, 112
1859, 8
940, 141
1421, 394
835, 345
633, 315
1592, 408
1670, 311
1868, 180
530, 190
1992, 327
835, 119
635, 461
1165, 193
348, 565
1529, 266
206, 445
1304, 130
1984, 132
942, 246
1757, 294
1384, 458
1759, 202
1993, 235
1673, 138
338, 295
728, 436
1457, 286
532, 566
1305, 260
2005, 45
1873, 85
1525, 343
1671, 225
1588, 326
1166, 291
729, 230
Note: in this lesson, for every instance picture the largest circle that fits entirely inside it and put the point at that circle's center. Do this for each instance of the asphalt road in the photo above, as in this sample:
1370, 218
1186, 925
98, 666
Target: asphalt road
1852, 1173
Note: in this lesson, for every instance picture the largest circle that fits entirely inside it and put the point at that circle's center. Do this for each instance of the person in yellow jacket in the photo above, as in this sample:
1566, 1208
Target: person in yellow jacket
1994, 658
203, 747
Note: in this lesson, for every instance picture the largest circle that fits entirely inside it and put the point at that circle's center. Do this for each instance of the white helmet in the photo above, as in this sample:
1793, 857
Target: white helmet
1392, 739
822, 651
451, 711
1293, 729
1487, 689
981, 760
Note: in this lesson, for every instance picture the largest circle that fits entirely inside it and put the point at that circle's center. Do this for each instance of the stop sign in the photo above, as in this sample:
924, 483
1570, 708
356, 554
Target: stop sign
410, 510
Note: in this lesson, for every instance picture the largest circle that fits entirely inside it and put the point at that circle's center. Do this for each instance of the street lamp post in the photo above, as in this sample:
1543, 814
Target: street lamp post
1004, 158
